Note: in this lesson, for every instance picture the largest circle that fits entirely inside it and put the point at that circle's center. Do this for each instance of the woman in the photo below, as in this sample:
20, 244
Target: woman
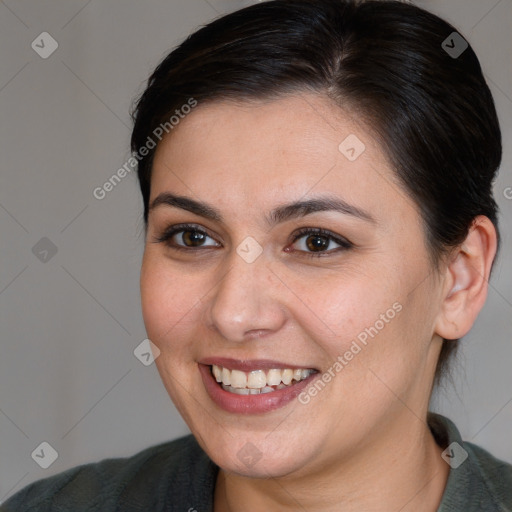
320, 231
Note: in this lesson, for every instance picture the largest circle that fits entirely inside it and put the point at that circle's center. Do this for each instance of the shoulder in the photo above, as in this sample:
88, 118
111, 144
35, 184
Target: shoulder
478, 481
494, 474
177, 472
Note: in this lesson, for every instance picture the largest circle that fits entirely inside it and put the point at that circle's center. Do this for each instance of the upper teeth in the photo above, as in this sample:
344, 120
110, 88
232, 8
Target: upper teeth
258, 379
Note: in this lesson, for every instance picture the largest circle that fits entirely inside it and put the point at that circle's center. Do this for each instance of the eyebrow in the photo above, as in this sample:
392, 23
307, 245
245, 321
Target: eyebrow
278, 215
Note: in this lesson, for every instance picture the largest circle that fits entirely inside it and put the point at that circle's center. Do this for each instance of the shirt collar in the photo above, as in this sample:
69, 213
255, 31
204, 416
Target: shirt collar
466, 487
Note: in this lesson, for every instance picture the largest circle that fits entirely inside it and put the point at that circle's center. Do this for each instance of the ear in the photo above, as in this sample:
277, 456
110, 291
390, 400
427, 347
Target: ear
466, 280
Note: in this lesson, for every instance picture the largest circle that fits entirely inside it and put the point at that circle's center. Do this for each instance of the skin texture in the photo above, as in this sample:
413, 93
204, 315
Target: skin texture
362, 443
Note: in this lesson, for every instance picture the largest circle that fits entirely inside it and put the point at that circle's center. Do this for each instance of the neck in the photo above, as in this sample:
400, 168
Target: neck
403, 472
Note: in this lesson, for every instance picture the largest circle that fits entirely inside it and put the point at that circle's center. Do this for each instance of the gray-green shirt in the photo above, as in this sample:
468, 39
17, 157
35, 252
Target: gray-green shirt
179, 476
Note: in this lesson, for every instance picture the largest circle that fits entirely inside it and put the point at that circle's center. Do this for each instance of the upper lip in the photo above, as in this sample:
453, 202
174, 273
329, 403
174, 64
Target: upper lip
246, 365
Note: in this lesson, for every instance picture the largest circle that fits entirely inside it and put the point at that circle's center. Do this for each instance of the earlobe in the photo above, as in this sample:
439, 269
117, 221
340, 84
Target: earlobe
466, 280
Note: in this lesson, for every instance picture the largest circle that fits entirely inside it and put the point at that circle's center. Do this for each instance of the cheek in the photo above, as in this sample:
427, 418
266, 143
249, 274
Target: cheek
337, 309
362, 325
169, 308
169, 301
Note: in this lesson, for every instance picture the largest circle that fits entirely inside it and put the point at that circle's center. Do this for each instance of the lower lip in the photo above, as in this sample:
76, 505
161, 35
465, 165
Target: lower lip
250, 404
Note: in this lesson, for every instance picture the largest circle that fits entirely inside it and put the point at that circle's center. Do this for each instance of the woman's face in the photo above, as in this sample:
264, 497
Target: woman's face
252, 285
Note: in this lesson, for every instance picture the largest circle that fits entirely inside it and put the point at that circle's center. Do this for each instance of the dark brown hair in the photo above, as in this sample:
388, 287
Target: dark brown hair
430, 109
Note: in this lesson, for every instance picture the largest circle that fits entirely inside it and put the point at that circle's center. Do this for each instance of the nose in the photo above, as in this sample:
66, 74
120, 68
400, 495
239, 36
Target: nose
245, 303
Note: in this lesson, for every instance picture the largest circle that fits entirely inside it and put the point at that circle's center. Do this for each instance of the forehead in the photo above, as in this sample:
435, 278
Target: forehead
273, 151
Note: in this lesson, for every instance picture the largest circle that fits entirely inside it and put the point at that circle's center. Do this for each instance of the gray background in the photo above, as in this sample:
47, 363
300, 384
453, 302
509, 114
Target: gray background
69, 325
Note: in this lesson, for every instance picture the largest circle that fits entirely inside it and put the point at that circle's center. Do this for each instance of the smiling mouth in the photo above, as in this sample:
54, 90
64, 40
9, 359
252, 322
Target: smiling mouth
258, 382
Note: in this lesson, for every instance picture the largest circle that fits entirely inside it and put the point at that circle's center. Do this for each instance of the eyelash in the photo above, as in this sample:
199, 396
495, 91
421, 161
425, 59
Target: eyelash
181, 228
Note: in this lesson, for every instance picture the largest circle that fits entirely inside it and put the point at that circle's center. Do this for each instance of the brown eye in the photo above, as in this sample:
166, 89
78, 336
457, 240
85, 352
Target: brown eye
183, 237
316, 243
319, 242
193, 238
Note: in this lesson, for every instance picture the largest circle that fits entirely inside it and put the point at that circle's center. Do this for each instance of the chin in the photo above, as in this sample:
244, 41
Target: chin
257, 458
